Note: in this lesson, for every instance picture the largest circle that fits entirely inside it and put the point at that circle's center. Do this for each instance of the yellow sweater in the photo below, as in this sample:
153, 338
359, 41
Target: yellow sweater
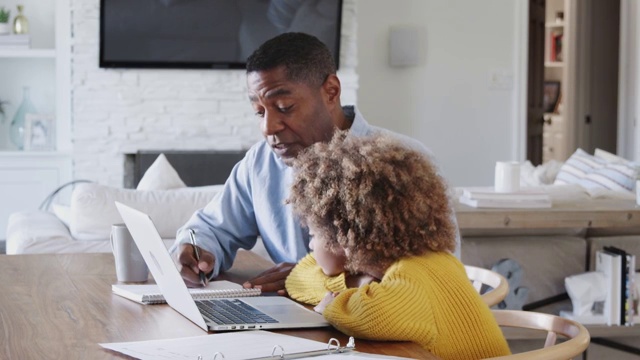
426, 299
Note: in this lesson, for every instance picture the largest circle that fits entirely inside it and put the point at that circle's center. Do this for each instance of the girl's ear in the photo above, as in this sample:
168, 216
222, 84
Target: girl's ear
331, 91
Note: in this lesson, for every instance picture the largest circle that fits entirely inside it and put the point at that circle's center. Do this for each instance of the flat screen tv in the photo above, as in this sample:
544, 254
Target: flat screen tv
205, 34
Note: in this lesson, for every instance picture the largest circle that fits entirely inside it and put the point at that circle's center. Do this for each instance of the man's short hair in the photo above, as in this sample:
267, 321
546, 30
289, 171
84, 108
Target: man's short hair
305, 58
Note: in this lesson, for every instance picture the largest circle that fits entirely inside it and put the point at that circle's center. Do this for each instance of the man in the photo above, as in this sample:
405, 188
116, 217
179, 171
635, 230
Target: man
295, 93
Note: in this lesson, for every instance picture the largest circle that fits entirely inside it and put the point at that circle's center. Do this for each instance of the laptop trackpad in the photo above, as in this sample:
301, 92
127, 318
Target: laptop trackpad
283, 309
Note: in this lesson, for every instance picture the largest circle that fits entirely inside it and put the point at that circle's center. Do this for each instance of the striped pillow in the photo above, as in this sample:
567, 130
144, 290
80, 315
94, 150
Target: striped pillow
578, 166
593, 172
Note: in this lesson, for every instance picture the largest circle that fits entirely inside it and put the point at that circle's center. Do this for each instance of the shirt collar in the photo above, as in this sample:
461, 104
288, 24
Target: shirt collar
359, 126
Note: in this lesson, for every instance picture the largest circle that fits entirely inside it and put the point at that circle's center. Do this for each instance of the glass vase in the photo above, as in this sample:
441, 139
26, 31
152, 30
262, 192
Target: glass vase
17, 124
20, 23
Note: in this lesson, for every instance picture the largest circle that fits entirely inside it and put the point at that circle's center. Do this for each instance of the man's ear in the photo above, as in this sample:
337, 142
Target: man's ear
331, 90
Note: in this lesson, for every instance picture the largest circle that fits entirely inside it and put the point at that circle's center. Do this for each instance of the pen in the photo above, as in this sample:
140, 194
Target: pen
192, 235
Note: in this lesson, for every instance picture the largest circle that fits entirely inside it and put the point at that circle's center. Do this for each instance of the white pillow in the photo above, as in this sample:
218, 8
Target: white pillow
62, 212
615, 159
609, 157
544, 174
93, 210
160, 176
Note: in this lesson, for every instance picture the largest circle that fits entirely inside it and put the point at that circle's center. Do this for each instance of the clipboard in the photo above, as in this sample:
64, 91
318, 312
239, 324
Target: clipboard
265, 345
278, 352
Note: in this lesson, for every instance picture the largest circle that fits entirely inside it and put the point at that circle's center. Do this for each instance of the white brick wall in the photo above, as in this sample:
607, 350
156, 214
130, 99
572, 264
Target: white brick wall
121, 111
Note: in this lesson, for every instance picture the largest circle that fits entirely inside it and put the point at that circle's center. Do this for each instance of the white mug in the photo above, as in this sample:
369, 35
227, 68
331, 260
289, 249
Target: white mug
130, 266
507, 176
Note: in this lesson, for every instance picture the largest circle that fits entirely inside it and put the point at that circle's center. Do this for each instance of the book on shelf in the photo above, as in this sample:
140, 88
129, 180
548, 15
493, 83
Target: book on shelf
627, 297
15, 41
150, 293
555, 53
620, 307
610, 265
491, 194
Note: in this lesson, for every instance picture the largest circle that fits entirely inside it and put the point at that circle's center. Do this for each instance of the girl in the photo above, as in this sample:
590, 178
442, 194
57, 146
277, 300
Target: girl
382, 238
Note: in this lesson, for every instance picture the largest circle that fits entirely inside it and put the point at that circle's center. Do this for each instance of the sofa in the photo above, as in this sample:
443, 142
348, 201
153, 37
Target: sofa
84, 224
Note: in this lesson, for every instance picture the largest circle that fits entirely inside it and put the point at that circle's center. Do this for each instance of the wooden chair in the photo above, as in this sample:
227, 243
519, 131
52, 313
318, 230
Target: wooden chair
577, 334
498, 283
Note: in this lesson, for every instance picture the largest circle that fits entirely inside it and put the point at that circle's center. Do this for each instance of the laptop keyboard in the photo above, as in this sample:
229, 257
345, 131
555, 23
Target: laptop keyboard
233, 311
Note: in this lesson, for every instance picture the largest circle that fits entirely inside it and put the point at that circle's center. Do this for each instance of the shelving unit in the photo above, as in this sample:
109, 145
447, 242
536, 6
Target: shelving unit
27, 53
555, 69
26, 177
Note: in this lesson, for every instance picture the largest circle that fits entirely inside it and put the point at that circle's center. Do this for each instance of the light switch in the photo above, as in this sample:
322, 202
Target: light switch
500, 79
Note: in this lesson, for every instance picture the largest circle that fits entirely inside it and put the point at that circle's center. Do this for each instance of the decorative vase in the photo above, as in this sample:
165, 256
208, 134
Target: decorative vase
17, 124
20, 23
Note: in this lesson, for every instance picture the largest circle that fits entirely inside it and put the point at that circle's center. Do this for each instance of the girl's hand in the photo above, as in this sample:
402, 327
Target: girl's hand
328, 298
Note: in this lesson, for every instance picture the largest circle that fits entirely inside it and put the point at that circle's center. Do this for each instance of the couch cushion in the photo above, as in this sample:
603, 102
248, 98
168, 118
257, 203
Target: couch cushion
41, 232
93, 210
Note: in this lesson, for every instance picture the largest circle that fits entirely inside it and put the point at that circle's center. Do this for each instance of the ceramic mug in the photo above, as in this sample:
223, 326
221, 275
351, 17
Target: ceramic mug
507, 176
130, 266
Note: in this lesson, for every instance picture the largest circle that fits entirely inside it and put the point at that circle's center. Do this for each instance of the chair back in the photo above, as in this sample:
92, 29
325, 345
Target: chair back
498, 284
577, 334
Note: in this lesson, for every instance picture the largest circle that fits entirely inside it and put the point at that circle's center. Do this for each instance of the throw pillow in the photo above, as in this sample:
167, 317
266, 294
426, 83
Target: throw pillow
160, 176
62, 212
616, 177
615, 159
609, 157
577, 166
593, 172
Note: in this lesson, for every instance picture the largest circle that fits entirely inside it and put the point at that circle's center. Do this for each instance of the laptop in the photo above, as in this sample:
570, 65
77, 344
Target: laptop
260, 312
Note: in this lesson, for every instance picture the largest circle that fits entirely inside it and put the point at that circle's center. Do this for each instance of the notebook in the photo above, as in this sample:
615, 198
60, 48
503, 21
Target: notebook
262, 345
148, 294
260, 312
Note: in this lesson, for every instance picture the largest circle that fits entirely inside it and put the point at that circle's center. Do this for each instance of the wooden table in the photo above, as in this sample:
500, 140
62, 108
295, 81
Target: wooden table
597, 213
60, 306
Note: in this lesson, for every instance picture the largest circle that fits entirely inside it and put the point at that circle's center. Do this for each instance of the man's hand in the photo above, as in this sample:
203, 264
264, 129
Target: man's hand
189, 268
271, 280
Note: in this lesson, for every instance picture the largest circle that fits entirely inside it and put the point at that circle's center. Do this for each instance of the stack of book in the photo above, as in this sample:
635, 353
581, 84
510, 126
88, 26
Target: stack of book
22, 41
487, 197
619, 269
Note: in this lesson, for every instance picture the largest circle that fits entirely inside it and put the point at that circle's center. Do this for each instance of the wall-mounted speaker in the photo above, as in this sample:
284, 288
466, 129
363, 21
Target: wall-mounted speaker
406, 46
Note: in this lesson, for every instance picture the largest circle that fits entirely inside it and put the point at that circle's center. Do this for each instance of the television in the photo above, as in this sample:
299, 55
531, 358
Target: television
207, 34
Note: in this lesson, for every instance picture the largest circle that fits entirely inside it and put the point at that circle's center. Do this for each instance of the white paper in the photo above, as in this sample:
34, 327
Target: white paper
353, 356
237, 345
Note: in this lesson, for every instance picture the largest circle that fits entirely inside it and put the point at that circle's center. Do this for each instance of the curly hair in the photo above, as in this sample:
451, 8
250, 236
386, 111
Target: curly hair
305, 58
374, 197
